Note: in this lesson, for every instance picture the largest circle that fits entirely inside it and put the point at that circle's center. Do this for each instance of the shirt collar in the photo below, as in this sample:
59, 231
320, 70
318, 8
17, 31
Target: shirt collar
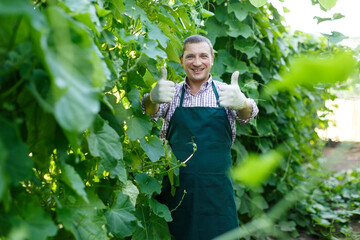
204, 86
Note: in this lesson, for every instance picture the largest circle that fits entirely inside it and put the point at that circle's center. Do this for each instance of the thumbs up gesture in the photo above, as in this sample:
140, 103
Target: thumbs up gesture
230, 96
164, 90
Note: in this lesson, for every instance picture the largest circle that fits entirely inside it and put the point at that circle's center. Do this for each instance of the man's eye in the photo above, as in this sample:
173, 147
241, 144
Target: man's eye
190, 57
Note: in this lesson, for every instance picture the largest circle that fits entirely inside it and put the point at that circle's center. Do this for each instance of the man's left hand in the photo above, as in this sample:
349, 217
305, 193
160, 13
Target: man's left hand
230, 96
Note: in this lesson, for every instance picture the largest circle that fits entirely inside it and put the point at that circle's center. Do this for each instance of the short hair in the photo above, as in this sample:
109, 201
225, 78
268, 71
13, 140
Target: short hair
197, 39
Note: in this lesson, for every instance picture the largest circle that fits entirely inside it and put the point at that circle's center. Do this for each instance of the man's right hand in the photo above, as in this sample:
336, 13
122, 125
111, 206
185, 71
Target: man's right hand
164, 90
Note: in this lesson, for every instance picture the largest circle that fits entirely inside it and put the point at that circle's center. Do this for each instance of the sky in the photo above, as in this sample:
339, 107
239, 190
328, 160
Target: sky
302, 13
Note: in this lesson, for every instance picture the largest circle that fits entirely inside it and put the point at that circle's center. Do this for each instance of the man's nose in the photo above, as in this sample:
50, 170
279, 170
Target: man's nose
197, 61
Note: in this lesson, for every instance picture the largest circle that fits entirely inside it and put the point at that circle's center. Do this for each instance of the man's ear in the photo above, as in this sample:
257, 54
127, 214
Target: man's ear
181, 61
212, 60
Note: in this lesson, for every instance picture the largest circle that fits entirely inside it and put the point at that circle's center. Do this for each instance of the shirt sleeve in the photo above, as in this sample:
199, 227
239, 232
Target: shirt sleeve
255, 111
164, 107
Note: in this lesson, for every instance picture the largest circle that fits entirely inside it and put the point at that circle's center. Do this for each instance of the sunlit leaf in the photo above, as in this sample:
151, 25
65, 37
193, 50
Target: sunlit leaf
205, 13
313, 69
258, 3
256, 168
327, 4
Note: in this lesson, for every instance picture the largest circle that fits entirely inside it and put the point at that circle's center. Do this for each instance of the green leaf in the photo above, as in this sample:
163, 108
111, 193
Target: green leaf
148, 184
104, 142
150, 48
117, 7
35, 222
119, 172
160, 209
40, 224
205, 13
76, 70
241, 10
73, 180
313, 69
249, 48
335, 37
137, 128
154, 32
215, 29
264, 164
236, 66
287, 226
237, 28
153, 227
258, 3
153, 147
83, 220
133, 10
131, 190
327, 4
134, 97
120, 217
18, 164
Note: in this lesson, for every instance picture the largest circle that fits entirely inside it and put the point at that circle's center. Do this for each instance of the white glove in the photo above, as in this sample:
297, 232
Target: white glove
230, 96
164, 90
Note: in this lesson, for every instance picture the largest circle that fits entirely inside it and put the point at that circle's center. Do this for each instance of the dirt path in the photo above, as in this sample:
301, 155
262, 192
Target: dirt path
350, 159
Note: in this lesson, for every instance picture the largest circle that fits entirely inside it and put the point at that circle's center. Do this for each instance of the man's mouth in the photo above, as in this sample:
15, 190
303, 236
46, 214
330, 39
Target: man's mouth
197, 70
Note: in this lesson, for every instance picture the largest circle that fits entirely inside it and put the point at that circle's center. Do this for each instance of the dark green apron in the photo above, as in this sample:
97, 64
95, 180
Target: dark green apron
208, 208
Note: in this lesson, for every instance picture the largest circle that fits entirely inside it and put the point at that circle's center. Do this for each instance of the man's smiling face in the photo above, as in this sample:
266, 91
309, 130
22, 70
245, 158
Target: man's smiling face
197, 61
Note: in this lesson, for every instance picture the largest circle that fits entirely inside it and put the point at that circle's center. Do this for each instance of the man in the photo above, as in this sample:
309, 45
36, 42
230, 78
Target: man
202, 111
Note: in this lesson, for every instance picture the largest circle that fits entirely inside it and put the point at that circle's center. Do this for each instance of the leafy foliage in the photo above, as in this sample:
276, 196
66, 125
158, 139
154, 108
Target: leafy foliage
80, 160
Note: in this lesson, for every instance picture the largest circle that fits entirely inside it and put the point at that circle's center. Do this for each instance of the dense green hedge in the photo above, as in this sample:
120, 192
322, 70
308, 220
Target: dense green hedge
79, 159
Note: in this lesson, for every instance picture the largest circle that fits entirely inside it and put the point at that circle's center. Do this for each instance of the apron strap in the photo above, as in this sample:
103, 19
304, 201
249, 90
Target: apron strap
216, 93
213, 87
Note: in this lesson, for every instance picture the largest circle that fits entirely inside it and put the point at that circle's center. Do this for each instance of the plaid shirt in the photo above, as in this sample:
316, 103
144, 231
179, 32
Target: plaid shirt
204, 98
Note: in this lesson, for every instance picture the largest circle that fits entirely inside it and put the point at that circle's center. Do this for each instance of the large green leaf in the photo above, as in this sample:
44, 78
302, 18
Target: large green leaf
249, 48
77, 72
313, 69
160, 209
258, 3
137, 128
148, 184
241, 10
35, 222
73, 180
153, 147
18, 164
335, 37
264, 164
237, 28
104, 142
120, 217
154, 32
153, 227
327, 4
83, 220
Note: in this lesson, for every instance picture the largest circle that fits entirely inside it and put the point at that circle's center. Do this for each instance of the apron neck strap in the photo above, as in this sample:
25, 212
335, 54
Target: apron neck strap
213, 87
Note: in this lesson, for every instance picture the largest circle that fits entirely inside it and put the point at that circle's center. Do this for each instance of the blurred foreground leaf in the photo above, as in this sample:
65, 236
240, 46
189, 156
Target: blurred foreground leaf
257, 168
310, 70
